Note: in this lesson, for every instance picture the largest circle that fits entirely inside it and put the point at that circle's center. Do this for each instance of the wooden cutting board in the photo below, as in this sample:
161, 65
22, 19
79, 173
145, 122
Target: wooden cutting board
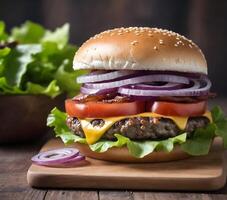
195, 173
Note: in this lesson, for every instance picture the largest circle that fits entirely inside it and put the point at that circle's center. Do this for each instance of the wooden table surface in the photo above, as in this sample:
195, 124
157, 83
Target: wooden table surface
15, 161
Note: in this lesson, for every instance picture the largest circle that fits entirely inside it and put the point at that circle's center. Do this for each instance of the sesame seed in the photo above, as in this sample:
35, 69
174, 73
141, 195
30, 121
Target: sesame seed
120, 33
134, 42
150, 35
175, 45
155, 48
161, 42
190, 45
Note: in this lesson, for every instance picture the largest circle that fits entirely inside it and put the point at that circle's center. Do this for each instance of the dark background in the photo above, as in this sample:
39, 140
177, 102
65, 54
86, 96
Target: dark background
203, 21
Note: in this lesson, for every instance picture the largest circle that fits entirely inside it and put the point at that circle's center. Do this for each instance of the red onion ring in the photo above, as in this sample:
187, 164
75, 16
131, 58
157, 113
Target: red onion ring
91, 78
143, 84
140, 79
167, 86
56, 156
192, 91
87, 90
75, 159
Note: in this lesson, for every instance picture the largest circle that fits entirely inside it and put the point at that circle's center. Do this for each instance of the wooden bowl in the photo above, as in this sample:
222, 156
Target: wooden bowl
23, 117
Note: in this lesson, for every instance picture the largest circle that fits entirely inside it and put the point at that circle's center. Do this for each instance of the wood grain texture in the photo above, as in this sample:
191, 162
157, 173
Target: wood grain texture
25, 195
195, 173
170, 196
71, 195
15, 160
115, 195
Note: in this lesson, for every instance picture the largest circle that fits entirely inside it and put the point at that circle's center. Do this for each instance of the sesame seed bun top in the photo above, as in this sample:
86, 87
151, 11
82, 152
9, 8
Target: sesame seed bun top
140, 48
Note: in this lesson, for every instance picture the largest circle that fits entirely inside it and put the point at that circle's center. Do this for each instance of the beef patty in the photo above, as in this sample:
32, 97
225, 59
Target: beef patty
141, 128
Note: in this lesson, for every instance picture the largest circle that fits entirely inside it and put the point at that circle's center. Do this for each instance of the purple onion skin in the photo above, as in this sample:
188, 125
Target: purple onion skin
42, 157
79, 160
191, 91
143, 73
185, 83
164, 87
87, 91
75, 159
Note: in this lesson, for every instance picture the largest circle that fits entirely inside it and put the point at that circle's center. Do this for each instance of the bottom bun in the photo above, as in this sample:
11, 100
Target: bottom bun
122, 155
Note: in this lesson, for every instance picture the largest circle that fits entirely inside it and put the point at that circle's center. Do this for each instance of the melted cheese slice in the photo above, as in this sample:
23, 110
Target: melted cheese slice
94, 133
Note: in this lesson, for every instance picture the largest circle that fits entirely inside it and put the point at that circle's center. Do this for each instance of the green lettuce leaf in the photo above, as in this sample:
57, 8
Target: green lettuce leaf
28, 33
4, 52
59, 36
220, 122
200, 142
139, 149
5, 88
57, 119
51, 90
2, 28
3, 34
18, 60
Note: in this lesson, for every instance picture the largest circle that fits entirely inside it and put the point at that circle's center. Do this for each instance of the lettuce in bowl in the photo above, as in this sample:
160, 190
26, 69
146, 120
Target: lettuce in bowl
34, 60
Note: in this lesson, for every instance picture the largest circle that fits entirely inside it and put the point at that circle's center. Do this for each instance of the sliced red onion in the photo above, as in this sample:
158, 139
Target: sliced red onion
91, 78
56, 156
195, 90
140, 79
87, 90
167, 86
75, 159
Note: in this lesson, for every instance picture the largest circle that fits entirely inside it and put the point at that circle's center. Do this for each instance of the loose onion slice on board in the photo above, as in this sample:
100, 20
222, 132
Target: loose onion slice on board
57, 157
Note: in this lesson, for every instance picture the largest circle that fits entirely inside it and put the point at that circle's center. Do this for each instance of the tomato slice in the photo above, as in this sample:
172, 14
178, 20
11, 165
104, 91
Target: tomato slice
177, 109
102, 110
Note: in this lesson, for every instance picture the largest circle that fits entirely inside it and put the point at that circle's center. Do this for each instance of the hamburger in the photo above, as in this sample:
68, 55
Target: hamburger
143, 99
